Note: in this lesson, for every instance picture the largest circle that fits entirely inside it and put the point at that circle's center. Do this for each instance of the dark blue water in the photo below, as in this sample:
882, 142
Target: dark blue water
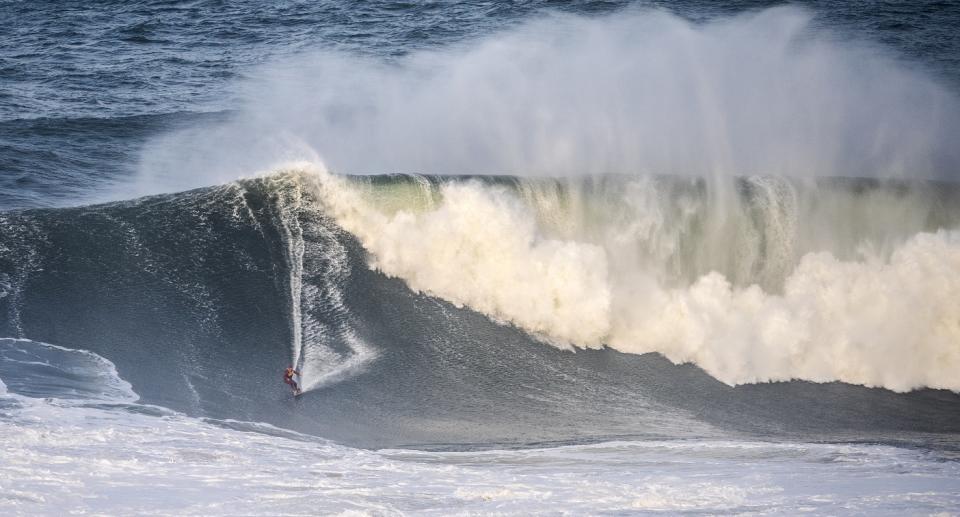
83, 86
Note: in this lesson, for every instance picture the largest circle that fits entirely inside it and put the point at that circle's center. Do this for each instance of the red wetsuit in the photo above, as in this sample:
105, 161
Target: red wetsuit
288, 378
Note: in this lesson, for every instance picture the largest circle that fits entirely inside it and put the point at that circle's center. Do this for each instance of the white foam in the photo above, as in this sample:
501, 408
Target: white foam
889, 321
481, 248
61, 460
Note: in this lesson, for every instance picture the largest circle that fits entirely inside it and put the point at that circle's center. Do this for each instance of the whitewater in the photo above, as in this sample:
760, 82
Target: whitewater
573, 270
91, 447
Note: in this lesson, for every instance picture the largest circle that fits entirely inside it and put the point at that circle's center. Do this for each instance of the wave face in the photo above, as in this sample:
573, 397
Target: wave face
201, 298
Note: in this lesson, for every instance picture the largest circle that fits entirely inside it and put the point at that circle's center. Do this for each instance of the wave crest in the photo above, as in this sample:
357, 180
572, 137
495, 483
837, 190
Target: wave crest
883, 316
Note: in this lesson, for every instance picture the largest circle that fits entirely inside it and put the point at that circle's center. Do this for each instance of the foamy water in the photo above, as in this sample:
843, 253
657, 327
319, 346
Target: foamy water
126, 460
884, 319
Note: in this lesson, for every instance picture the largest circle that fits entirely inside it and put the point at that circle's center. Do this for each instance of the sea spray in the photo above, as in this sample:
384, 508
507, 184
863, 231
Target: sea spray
636, 92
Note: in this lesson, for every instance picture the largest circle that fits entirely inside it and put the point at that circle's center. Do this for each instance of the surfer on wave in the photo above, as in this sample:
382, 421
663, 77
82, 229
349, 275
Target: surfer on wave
288, 378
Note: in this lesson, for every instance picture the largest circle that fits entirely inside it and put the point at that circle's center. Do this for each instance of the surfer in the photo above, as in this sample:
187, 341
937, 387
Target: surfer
288, 378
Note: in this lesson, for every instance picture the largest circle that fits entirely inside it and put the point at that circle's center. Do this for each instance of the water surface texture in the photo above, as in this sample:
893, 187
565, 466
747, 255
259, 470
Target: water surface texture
529, 258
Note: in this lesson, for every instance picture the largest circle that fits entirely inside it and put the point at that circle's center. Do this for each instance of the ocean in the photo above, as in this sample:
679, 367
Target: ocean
562, 258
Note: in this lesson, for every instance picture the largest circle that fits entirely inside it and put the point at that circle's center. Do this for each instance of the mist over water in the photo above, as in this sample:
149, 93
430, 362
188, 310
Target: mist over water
638, 92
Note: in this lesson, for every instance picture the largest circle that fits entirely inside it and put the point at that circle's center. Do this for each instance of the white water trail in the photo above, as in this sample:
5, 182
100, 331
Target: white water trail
288, 221
323, 350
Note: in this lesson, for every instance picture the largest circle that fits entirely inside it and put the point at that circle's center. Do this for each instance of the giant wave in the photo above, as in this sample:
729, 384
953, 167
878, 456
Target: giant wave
201, 298
675, 248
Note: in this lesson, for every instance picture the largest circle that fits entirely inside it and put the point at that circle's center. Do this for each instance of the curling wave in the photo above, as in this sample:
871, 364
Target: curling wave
780, 281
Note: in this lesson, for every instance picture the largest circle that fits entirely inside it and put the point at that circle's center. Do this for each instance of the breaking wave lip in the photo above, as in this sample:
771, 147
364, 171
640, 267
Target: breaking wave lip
113, 460
875, 318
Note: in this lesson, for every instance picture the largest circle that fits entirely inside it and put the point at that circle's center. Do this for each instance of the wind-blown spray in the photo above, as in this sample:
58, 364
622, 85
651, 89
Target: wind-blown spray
638, 91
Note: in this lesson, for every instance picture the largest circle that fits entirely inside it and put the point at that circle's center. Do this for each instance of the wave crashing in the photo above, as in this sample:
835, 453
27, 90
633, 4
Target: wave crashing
757, 287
